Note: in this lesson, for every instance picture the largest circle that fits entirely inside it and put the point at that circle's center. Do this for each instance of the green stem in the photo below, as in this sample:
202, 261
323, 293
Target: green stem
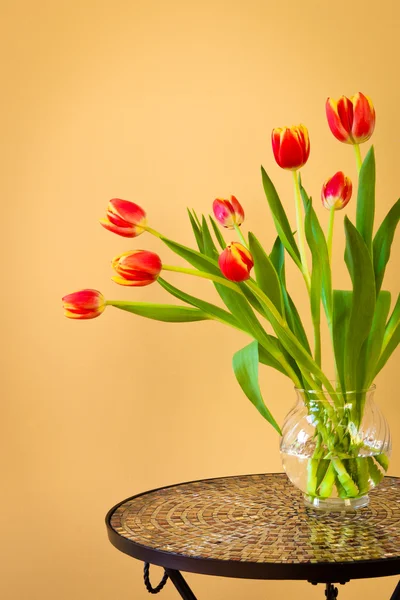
300, 231
358, 156
152, 231
241, 236
196, 273
330, 233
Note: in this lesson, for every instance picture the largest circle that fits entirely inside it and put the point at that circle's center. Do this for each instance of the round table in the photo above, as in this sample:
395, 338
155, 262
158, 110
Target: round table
257, 527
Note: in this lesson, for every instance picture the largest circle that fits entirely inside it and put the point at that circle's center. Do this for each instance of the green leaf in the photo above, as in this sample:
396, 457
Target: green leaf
196, 259
383, 243
277, 257
375, 339
209, 246
391, 338
266, 274
268, 358
213, 311
359, 263
168, 313
245, 366
320, 257
197, 232
366, 199
342, 302
218, 234
280, 219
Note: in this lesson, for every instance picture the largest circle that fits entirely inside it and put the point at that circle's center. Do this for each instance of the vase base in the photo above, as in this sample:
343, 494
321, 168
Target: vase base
336, 504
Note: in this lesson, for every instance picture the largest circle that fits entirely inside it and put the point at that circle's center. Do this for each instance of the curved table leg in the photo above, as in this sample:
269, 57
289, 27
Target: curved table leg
180, 584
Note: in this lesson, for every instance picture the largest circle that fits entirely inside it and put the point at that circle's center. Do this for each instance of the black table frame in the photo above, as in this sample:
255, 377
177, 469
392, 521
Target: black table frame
316, 573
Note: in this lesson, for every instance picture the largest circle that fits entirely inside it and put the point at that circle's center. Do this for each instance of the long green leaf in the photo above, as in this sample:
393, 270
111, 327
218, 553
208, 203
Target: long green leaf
213, 311
198, 260
168, 313
197, 232
319, 250
277, 257
218, 234
375, 340
383, 243
361, 271
366, 199
266, 275
391, 338
245, 366
342, 302
280, 219
209, 246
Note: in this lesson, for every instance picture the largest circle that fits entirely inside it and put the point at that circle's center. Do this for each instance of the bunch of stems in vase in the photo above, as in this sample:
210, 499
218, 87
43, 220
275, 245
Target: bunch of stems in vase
363, 326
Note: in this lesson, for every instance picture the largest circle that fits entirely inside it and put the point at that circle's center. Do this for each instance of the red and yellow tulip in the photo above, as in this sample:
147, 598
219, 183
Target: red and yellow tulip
236, 262
84, 304
124, 218
336, 191
228, 212
137, 268
351, 120
291, 146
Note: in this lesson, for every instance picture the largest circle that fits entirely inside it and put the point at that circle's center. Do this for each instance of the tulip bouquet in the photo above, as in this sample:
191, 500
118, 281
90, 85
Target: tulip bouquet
364, 329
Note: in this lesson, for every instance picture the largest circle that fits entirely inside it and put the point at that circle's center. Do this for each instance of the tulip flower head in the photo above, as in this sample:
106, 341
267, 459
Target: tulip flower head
137, 268
236, 262
85, 304
124, 218
351, 120
336, 191
291, 146
228, 212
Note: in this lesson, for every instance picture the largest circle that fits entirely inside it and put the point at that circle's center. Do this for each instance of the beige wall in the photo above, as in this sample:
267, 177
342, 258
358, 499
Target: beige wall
167, 103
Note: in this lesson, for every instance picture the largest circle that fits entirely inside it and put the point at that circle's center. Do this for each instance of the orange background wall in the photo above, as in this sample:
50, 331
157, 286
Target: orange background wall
169, 104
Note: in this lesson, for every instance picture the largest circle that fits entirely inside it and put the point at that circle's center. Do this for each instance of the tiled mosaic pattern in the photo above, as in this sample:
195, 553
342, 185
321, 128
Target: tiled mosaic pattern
260, 518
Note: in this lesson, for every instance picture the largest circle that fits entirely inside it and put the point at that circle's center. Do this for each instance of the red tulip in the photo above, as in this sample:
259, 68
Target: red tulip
336, 191
228, 212
85, 304
236, 262
351, 120
291, 146
124, 218
137, 268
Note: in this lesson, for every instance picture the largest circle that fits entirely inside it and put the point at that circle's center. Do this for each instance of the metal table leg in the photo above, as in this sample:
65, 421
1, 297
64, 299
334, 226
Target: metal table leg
331, 592
180, 584
396, 593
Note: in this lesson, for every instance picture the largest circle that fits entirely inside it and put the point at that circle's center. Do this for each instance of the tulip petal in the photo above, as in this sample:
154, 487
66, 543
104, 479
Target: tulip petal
129, 232
126, 210
341, 131
131, 283
290, 151
364, 118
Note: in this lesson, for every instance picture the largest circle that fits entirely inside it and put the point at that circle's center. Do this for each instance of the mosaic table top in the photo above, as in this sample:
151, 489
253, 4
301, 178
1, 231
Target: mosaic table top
257, 519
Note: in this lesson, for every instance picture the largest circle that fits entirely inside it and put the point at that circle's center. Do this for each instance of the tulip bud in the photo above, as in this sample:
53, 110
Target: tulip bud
137, 268
291, 146
228, 212
124, 218
85, 304
336, 191
351, 120
236, 262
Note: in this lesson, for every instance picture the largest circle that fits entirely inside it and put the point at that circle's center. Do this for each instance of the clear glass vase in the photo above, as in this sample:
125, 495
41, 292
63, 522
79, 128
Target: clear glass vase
335, 447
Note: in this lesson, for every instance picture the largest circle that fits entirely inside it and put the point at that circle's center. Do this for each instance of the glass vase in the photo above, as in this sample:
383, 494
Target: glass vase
335, 447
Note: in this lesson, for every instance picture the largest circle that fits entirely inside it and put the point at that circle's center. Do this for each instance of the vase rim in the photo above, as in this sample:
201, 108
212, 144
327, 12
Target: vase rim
324, 391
